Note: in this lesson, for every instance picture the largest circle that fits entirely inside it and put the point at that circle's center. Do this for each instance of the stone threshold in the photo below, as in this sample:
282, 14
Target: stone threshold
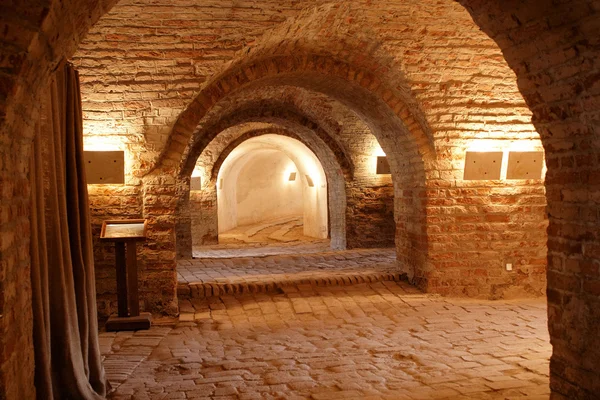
199, 290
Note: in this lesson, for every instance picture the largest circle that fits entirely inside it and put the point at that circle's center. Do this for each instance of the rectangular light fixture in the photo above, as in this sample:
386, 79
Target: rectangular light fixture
484, 165
196, 183
525, 165
309, 181
221, 183
104, 167
292, 177
383, 167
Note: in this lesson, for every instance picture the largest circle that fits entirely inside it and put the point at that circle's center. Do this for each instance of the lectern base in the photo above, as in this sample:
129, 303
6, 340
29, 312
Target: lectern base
143, 321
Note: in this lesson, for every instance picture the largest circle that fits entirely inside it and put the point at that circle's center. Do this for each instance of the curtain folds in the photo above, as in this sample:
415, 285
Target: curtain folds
67, 354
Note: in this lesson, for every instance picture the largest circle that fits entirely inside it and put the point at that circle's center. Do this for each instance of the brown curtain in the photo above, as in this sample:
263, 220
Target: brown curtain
67, 355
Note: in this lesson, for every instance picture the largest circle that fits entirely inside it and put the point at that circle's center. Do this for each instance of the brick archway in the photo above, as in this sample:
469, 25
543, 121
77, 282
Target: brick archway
391, 121
264, 111
346, 171
337, 79
333, 163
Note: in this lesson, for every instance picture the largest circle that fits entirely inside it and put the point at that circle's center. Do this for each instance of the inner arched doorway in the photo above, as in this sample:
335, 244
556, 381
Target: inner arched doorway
272, 189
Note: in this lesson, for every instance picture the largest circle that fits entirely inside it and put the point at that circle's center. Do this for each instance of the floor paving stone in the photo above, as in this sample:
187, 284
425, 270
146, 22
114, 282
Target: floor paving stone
207, 277
382, 340
273, 237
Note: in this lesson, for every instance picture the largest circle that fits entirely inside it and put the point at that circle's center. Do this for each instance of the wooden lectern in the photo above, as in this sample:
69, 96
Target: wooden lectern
125, 234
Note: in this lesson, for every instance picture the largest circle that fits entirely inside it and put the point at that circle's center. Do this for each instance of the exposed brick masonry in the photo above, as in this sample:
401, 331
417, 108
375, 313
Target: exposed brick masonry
555, 56
476, 101
457, 86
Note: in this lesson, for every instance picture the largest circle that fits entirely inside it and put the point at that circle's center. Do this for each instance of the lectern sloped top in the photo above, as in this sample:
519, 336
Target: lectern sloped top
124, 234
124, 230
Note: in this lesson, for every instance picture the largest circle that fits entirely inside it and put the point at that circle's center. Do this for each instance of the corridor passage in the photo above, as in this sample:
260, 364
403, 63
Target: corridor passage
382, 340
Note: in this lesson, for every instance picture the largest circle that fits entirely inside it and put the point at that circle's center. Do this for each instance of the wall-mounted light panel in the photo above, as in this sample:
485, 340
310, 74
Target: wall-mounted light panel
309, 181
196, 183
525, 165
292, 177
483, 165
383, 166
104, 167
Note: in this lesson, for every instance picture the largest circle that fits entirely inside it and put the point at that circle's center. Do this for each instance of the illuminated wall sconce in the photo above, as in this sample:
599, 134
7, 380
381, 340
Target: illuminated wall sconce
483, 165
196, 183
220, 183
309, 181
525, 165
292, 177
104, 167
383, 166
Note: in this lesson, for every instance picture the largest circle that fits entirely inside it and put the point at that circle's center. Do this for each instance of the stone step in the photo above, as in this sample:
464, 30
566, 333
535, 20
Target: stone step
276, 285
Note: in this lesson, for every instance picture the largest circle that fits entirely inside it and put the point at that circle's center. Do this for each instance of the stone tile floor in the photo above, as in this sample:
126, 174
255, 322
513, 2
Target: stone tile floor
272, 237
199, 278
284, 266
382, 340
280, 230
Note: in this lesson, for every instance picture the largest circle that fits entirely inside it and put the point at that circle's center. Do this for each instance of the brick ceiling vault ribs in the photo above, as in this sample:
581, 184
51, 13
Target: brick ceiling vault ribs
355, 75
253, 112
328, 158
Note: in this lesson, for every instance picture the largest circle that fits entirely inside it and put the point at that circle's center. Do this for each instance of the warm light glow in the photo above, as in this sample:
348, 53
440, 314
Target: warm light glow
483, 145
314, 172
198, 171
374, 153
376, 150
310, 178
525, 145
505, 146
288, 171
103, 143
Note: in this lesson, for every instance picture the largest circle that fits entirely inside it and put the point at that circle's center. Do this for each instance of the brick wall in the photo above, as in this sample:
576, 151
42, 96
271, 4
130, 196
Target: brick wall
476, 227
554, 54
